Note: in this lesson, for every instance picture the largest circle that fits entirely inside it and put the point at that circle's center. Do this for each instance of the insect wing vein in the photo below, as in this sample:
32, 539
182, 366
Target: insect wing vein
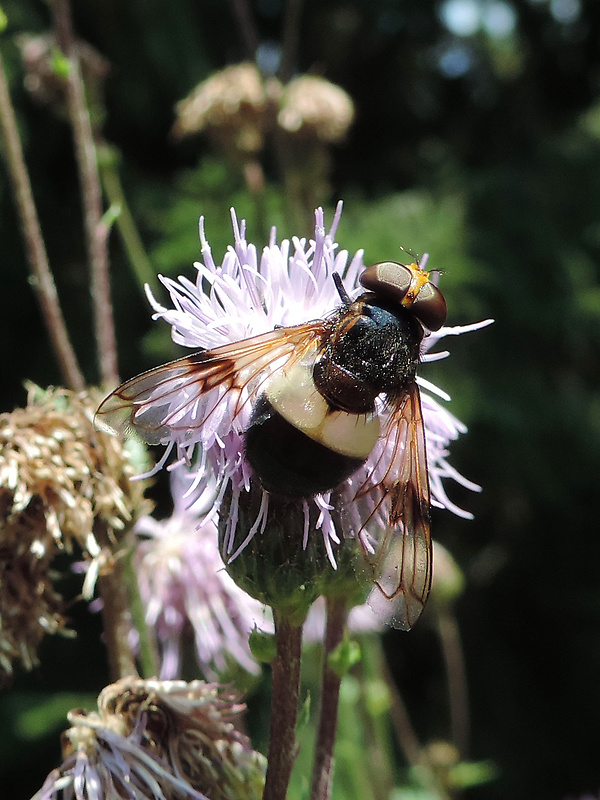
180, 396
396, 496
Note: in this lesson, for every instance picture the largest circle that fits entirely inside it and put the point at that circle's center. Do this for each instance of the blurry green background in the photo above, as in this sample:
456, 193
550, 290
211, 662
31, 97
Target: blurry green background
477, 139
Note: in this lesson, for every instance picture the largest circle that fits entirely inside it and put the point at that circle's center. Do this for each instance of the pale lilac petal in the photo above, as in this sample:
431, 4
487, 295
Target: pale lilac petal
184, 586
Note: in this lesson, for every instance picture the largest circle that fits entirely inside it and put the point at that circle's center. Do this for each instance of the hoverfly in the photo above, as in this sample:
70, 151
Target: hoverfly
326, 395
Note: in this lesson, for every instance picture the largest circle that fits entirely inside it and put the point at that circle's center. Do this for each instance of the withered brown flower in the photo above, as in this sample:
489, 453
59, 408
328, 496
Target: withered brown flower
64, 486
234, 105
165, 739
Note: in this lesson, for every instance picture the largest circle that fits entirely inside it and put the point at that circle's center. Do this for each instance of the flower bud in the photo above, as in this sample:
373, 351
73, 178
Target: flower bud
281, 566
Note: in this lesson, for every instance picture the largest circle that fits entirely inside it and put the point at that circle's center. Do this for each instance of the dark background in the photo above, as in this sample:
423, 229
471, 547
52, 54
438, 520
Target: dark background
477, 138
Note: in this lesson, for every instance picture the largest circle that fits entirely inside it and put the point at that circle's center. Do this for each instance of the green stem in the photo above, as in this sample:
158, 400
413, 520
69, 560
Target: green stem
148, 657
403, 728
377, 723
34, 243
284, 711
330, 692
116, 612
407, 738
125, 224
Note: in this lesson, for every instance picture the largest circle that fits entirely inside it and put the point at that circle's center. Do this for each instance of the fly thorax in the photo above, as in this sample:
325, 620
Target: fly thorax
375, 350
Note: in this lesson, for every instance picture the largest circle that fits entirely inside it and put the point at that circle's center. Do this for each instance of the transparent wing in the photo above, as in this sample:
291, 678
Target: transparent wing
394, 502
179, 397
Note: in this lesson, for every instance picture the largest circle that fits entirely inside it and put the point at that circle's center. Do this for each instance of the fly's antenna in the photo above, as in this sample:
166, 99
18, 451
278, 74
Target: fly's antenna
414, 256
344, 296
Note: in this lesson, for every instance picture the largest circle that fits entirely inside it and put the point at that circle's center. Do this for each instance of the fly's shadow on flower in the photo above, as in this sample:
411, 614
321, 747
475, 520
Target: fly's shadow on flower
306, 391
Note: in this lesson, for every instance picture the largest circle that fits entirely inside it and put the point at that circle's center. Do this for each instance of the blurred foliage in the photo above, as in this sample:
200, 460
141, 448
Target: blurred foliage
477, 140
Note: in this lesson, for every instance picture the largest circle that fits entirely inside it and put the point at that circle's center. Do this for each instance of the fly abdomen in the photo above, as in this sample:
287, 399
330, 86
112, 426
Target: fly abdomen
298, 445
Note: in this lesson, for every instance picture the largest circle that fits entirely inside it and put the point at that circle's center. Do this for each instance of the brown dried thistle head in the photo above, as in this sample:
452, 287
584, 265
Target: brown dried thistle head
168, 739
235, 106
63, 485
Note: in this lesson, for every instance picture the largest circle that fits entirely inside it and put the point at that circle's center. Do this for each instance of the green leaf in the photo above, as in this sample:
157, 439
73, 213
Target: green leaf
263, 646
48, 714
345, 656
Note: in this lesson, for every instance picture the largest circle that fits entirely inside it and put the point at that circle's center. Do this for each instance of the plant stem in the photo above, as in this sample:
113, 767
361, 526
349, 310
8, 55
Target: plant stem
290, 40
457, 680
95, 229
34, 243
125, 224
284, 711
246, 25
401, 722
148, 657
407, 738
328, 710
116, 611
379, 754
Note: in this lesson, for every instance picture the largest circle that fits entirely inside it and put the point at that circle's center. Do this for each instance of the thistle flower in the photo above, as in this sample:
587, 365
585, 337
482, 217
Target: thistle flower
159, 739
198, 406
248, 295
188, 594
59, 477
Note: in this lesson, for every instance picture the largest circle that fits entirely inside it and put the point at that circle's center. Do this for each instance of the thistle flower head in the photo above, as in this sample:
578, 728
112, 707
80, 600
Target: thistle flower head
58, 477
159, 739
187, 593
205, 408
251, 293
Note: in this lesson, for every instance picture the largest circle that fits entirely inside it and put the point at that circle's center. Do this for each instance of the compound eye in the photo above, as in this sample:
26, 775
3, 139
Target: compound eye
429, 307
408, 286
388, 279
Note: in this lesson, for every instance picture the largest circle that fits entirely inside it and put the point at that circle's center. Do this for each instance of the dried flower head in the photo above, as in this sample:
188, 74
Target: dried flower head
30, 606
188, 595
158, 739
234, 105
43, 77
312, 106
59, 477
